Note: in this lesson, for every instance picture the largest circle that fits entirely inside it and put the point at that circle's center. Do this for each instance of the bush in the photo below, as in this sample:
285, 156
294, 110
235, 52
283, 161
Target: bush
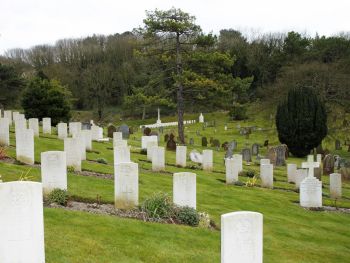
158, 206
57, 196
187, 216
238, 112
3, 154
102, 160
46, 98
301, 121
249, 173
70, 169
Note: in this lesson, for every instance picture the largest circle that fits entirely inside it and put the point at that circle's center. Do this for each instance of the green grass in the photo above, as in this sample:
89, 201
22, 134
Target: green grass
291, 233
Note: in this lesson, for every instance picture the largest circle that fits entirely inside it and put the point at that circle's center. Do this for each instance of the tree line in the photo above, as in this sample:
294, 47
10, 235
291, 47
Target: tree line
145, 68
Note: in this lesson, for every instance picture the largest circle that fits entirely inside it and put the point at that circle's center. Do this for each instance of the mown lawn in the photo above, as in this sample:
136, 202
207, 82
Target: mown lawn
291, 233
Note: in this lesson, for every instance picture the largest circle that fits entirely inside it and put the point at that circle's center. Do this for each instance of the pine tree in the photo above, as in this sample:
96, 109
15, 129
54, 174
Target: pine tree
301, 121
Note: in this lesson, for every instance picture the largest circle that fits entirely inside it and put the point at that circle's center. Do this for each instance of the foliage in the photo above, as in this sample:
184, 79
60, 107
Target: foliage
46, 98
301, 121
70, 169
102, 160
57, 196
158, 206
11, 85
3, 154
248, 173
204, 220
238, 112
187, 216
251, 182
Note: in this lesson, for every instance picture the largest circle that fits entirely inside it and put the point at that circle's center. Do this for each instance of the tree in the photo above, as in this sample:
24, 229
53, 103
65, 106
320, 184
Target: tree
176, 30
46, 98
99, 80
301, 121
11, 84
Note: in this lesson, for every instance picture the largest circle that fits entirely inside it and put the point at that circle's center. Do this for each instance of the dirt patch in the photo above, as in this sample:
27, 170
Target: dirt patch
94, 174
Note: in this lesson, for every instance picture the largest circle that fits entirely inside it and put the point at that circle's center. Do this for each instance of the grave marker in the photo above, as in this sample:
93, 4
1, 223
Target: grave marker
184, 189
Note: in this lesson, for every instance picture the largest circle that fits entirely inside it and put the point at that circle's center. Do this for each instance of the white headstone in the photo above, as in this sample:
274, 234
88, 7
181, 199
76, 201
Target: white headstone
74, 128
88, 139
25, 146
8, 115
73, 151
184, 189
196, 157
319, 158
34, 125
207, 160
151, 145
310, 158
121, 154
47, 125
264, 161
300, 175
53, 171
118, 139
311, 192
181, 154
121, 142
238, 158
335, 185
96, 133
126, 185
158, 159
22, 223
201, 118
82, 145
15, 115
62, 131
4, 132
266, 175
146, 139
242, 237
20, 124
291, 172
232, 170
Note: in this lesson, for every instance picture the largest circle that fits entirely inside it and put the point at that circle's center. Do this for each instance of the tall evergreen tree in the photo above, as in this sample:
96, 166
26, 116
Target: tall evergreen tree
301, 121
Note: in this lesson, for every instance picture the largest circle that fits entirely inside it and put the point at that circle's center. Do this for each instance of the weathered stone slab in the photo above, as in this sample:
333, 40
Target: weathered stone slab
184, 189
22, 223
242, 237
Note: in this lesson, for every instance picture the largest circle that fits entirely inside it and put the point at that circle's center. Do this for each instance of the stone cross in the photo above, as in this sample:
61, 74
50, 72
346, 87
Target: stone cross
310, 166
158, 120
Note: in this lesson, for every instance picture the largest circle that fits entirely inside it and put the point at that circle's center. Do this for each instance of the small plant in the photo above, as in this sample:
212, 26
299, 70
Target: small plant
187, 216
249, 173
70, 169
251, 182
102, 160
204, 220
25, 176
57, 196
158, 206
3, 154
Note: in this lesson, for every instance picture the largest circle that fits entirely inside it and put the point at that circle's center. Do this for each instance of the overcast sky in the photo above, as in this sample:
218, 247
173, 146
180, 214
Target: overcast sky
24, 23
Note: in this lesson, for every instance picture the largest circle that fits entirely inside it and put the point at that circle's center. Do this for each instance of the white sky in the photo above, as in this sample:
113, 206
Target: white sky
24, 23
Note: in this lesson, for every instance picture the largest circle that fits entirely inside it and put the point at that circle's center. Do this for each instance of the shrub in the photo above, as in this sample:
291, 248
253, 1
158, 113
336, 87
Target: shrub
102, 160
204, 220
70, 169
249, 173
3, 154
46, 98
238, 112
251, 182
57, 196
301, 121
158, 206
187, 216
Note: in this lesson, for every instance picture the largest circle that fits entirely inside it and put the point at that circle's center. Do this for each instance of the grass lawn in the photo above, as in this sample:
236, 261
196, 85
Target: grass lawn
291, 233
